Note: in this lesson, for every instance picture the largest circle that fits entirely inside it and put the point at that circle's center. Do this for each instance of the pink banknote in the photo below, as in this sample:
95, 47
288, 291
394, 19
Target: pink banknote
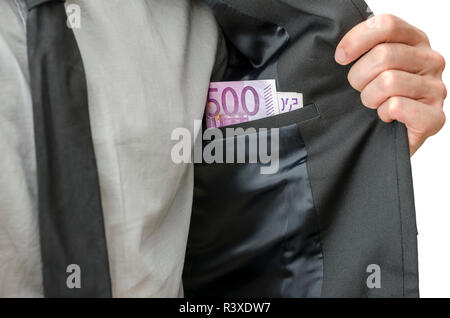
231, 103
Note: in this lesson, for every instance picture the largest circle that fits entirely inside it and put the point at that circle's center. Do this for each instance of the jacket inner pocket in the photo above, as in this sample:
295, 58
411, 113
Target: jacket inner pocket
254, 234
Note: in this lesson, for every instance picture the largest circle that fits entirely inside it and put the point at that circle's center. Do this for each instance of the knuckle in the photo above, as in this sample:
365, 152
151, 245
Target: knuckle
442, 89
436, 124
395, 107
438, 60
425, 37
390, 22
439, 124
387, 79
443, 119
383, 53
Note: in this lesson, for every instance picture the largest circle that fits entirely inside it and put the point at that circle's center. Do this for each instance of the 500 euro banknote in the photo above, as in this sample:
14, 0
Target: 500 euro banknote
231, 103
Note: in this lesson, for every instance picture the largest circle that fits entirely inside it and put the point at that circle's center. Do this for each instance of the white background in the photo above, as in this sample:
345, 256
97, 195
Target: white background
431, 165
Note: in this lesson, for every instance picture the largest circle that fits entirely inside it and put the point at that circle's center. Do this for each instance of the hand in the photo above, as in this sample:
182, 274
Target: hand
399, 74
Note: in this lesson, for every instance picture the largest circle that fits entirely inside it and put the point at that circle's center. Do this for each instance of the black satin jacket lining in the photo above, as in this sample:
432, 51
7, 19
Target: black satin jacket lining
256, 40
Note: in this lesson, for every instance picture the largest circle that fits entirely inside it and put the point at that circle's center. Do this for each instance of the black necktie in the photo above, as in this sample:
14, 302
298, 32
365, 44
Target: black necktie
72, 232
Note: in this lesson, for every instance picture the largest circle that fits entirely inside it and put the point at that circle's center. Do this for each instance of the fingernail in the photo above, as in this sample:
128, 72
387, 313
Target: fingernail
340, 56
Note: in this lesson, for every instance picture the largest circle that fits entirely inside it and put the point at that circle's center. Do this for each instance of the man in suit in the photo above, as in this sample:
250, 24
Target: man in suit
148, 64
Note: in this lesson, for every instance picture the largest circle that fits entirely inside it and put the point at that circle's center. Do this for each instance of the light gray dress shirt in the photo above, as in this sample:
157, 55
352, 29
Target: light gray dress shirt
148, 64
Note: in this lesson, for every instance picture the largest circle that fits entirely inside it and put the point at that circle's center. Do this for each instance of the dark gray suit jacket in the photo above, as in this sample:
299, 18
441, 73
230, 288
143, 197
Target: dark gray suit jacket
341, 207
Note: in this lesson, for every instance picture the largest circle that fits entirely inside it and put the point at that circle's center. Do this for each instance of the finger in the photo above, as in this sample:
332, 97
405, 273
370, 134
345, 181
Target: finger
421, 120
395, 56
376, 30
398, 83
